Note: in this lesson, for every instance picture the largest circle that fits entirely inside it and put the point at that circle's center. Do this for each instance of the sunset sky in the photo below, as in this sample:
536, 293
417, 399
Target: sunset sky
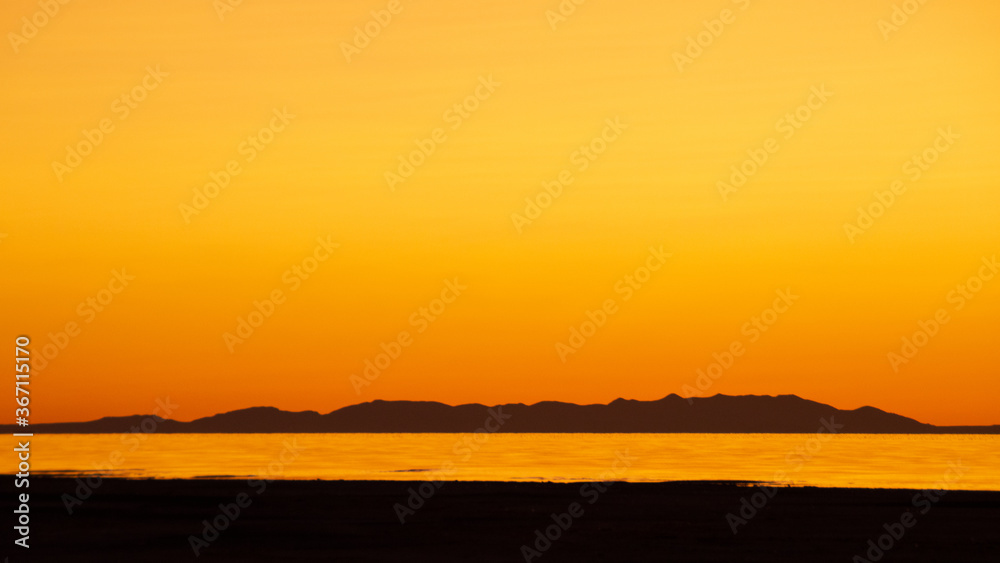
180, 87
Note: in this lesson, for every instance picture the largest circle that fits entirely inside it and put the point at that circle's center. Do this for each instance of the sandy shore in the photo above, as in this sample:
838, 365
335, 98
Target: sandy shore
462, 521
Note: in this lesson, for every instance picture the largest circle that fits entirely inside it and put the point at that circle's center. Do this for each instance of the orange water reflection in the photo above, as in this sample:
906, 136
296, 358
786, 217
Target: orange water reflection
850, 460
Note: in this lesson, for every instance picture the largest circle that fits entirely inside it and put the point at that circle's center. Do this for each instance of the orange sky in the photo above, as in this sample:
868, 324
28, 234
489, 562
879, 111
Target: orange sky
309, 215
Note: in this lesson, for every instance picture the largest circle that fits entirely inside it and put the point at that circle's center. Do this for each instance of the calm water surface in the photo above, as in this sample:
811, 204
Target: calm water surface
849, 460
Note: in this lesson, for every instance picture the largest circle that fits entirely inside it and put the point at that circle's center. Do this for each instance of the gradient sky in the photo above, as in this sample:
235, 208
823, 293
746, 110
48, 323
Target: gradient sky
656, 185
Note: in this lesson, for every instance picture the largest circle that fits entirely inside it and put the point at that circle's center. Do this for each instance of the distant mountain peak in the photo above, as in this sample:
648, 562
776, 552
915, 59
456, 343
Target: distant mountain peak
671, 414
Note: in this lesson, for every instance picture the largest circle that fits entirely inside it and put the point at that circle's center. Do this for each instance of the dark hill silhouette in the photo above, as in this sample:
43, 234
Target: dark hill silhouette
717, 414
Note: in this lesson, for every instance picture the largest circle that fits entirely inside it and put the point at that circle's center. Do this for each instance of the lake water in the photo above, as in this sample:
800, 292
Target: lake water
848, 460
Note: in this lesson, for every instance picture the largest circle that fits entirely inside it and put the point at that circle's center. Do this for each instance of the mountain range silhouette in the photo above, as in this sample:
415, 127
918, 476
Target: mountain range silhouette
671, 414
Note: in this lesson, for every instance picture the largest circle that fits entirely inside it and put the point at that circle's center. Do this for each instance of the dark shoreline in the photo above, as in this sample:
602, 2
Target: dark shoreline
151, 520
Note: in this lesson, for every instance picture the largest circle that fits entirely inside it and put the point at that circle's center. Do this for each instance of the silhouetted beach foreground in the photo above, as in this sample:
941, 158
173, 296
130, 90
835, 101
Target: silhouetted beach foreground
150, 521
